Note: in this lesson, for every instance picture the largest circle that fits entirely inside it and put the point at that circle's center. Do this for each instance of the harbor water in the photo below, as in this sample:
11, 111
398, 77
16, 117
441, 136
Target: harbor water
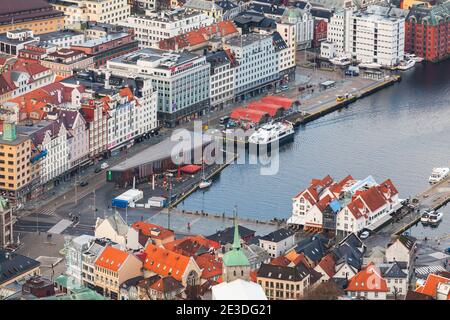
400, 133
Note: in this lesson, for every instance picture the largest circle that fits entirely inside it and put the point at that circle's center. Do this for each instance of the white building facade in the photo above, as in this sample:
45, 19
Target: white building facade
157, 26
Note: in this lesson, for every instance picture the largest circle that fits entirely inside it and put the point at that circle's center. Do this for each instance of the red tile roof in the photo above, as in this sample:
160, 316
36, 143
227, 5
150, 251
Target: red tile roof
368, 279
210, 266
146, 229
328, 265
430, 286
111, 258
165, 262
280, 261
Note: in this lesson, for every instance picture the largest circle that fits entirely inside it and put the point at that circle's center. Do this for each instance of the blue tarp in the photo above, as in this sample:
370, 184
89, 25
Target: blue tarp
119, 203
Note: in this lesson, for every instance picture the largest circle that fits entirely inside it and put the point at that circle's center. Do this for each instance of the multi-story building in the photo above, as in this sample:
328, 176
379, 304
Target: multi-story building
427, 32
278, 242
52, 136
285, 54
113, 44
337, 43
6, 223
16, 267
257, 64
78, 140
112, 268
209, 8
62, 38
74, 255
63, 62
88, 259
36, 15
284, 282
79, 11
15, 165
221, 79
154, 27
129, 104
320, 32
343, 207
181, 80
378, 35
368, 284
24, 77
303, 23
15, 40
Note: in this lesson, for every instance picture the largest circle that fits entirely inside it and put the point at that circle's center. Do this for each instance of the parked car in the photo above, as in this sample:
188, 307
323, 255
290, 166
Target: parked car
364, 235
97, 170
104, 165
83, 183
284, 87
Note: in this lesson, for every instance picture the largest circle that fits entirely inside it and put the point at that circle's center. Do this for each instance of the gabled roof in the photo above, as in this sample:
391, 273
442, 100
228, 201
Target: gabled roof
347, 254
394, 271
407, 241
368, 279
313, 247
210, 266
165, 262
112, 259
280, 261
118, 224
152, 230
353, 241
278, 235
166, 284
328, 265
431, 284
285, 273
13, 265
226, 236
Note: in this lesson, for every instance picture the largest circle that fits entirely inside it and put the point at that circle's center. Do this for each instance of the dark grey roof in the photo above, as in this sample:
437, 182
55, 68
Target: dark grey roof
394, 271
226, 236
352, 240
131, 282
217, 59
255, 20
226, 5
12, 265
267, 9
254, 240
285, 273
278, 42
278, 235
313, 247
346, 253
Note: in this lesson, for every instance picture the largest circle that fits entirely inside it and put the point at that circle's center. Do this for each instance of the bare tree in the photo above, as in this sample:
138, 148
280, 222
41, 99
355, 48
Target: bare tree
325, 291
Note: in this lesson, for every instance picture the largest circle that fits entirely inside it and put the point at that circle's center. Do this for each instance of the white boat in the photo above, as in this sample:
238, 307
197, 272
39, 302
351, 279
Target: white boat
425, 216
406, 64
341, 61
438, 174
204, 184
272, 132
369, 65
435, 217
412, 56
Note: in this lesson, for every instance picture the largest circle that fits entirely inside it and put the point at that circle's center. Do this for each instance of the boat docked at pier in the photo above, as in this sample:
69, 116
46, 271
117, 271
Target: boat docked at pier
280, 132
340, 61
406, 64
370, 65
435, 217
412, 56
438, 174
424, 218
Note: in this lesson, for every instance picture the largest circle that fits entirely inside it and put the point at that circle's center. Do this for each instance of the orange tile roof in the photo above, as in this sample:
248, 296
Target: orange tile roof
431, 284
210, 265
165, 262
280, 261
292, 255
146, 229
111, 258
368, 279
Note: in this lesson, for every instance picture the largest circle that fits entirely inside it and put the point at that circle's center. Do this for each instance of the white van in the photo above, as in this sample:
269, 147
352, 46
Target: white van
104, 165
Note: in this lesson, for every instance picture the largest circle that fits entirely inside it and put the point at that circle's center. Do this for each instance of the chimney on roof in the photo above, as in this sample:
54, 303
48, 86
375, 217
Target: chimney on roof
107, 76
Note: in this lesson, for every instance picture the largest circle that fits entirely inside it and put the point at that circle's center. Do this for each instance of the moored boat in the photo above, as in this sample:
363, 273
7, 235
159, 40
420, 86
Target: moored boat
437, 174
435, 217
273, 132
406, 64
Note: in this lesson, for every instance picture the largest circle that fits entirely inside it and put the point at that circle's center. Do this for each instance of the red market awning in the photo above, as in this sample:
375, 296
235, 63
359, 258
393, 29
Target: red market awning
191, 168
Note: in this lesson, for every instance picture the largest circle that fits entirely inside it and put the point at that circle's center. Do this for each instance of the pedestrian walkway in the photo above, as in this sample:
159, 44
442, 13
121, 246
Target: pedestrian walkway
60, 226
48, 212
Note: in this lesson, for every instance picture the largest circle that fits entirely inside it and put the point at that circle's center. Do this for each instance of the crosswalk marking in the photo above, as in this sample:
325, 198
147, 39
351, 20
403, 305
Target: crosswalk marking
47, 212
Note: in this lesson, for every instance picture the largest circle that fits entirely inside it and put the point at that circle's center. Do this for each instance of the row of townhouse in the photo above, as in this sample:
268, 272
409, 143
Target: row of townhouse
72, 123
344, 207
